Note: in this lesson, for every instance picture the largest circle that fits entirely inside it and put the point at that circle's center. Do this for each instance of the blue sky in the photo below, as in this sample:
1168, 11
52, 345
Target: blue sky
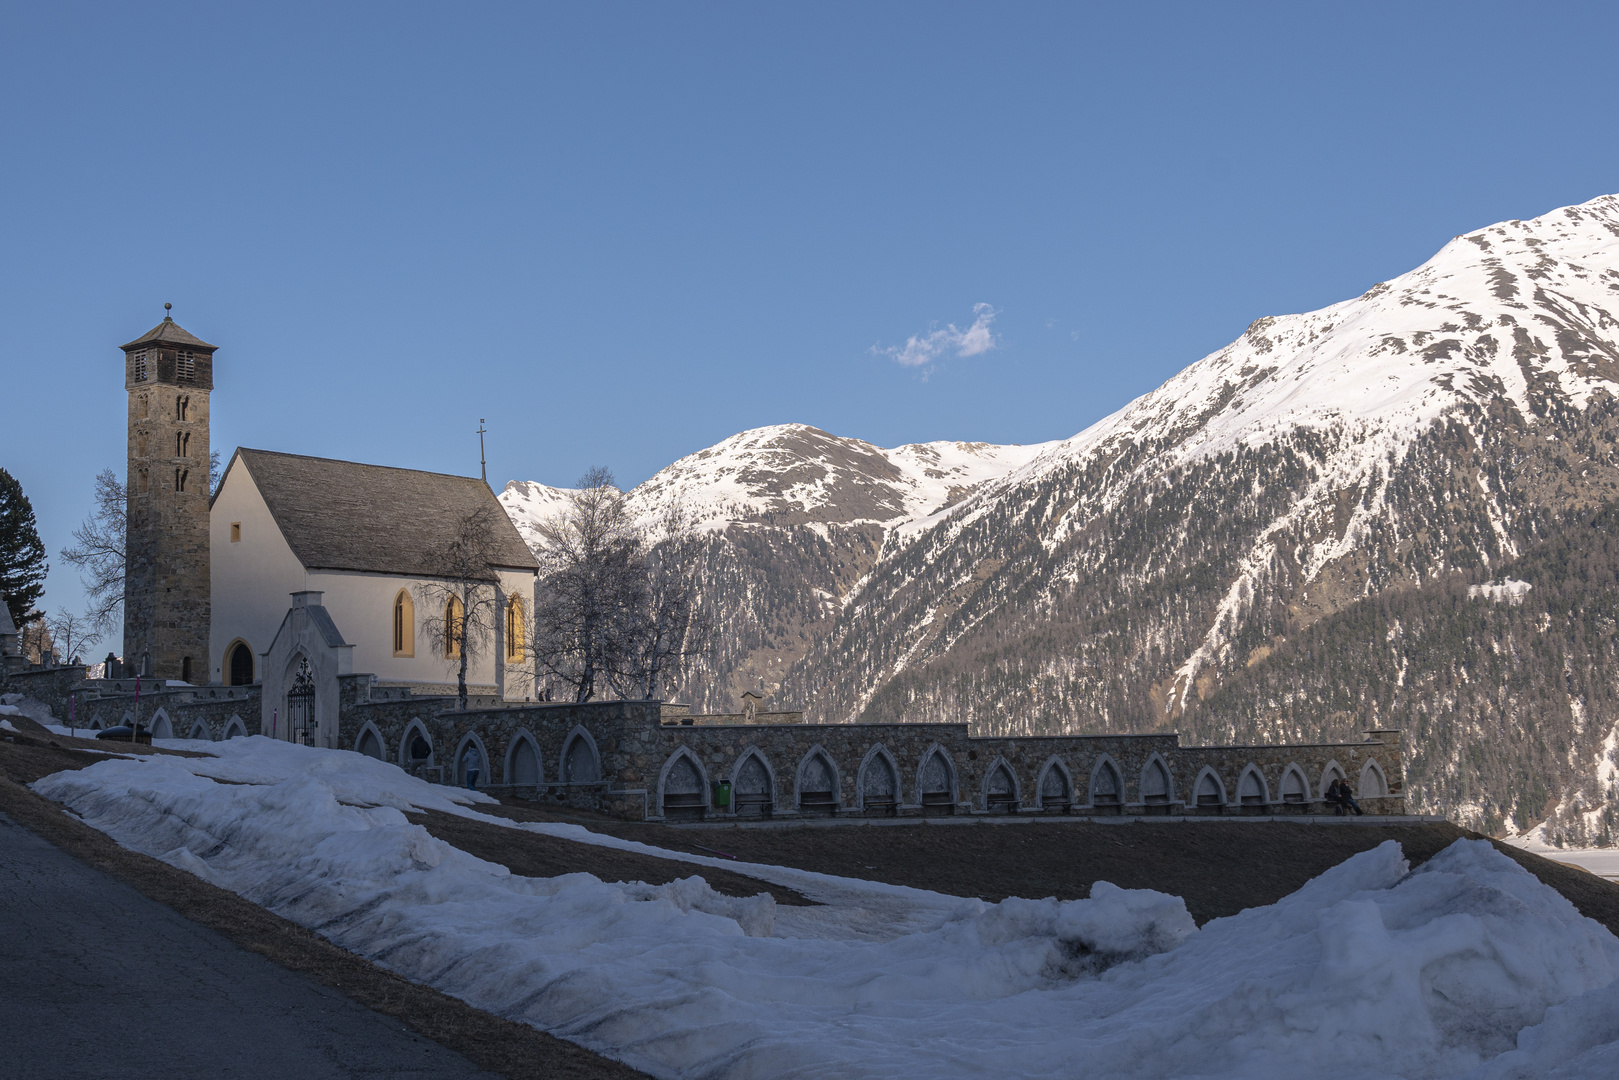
622, 232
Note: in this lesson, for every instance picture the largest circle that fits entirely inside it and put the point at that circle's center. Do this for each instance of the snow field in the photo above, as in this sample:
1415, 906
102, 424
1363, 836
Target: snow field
1466, 967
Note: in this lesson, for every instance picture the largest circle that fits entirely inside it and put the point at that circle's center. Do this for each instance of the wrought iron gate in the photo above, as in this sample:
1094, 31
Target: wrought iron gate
301, 722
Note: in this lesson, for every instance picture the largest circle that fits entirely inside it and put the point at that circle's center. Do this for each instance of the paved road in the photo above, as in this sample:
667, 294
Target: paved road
98, 981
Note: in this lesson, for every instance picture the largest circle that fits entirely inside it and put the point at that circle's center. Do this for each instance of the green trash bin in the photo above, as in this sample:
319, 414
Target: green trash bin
722, 794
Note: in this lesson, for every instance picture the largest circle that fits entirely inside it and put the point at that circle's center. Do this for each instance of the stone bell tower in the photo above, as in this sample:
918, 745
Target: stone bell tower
168, 374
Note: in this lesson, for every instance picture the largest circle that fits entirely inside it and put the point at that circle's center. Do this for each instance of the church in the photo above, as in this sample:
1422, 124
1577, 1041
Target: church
299, 569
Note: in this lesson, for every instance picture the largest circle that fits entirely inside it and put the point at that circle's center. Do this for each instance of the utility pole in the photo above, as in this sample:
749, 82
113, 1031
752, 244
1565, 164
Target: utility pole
483, 467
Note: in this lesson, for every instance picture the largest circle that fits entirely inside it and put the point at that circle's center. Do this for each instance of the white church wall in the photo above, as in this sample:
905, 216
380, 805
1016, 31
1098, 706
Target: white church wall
362, 605
252, 579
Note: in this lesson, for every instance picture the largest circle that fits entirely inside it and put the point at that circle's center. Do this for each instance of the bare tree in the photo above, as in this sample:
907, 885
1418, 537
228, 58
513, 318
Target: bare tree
38, 643
670, 630
592, 587
71, 633
615, 612
98, 551
463, 595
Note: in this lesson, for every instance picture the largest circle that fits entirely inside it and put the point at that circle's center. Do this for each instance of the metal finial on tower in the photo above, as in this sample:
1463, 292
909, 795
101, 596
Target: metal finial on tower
483, 467
166, 309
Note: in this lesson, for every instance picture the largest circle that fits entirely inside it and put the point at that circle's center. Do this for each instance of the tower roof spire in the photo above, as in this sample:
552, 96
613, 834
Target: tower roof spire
168, 332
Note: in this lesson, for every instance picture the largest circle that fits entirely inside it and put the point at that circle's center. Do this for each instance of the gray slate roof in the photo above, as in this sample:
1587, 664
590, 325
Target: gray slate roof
341, 515
168, 332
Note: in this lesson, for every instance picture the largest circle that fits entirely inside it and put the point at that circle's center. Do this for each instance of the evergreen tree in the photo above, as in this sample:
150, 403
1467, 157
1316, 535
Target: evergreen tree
22, 556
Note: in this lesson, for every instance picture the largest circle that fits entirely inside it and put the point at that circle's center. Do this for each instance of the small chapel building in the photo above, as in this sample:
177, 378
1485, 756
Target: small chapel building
323, 568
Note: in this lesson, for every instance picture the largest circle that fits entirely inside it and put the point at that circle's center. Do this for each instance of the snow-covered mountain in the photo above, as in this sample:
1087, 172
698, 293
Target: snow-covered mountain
1515, 316
793, 474
796, 518
1277, 543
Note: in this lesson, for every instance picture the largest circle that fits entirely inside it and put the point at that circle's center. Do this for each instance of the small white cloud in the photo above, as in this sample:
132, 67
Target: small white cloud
926, 348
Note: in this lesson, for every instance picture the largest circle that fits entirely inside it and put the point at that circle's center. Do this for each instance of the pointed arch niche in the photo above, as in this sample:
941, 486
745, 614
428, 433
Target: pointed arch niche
1295, 789
1373, 783
817, 787
1055, 788
1252, 792
370, 742
475, 741
234, 729
1330, 772
936, 789
877, 790
753, 785
411, 747
1157, 786
1208, 792
1000, 793
1107, 786
580, 762
683, 786
524, 764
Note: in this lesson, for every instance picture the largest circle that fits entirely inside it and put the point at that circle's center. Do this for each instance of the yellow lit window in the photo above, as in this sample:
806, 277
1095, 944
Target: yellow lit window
404, 624
514, 631
452, 628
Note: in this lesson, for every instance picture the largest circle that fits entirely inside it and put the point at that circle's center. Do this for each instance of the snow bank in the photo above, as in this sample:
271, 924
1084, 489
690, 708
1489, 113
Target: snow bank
1469, 966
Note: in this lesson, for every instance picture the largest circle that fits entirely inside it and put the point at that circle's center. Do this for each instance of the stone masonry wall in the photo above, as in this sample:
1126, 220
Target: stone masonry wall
633, 751
618, 756
107, 702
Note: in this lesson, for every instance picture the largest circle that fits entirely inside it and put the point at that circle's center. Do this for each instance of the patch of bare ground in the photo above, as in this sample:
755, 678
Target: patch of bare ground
502, 1046
534, 855
1218, 867
26, 756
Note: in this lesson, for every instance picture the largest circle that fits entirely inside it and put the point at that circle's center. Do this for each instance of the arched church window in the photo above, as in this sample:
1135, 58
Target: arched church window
181, 404
514, 631
453, 614
404, 624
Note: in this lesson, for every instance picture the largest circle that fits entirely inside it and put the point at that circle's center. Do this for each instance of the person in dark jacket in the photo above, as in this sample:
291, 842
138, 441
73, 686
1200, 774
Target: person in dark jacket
1342, 798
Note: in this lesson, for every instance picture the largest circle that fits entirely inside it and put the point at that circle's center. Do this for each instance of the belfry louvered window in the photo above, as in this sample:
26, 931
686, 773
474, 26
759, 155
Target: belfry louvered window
140, 366
186, 367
